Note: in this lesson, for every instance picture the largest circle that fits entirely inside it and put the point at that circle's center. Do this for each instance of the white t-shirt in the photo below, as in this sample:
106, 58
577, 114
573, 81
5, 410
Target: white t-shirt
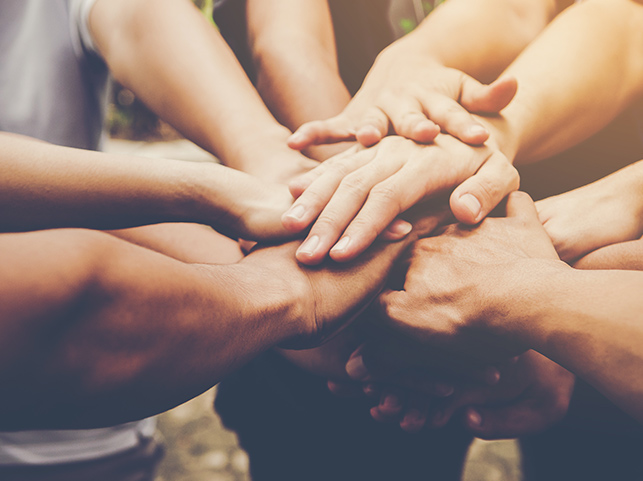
53, 87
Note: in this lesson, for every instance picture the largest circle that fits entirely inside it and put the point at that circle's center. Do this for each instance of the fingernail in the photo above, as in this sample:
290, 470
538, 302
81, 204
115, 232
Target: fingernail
443, 390
472, 204
399, 228
477, 130
342, 244
356, 369
309, 246
474, 418
296, 138
296, 212
491, 376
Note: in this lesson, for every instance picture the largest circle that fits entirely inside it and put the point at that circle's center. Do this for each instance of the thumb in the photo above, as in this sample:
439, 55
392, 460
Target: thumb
472, 200
479, 98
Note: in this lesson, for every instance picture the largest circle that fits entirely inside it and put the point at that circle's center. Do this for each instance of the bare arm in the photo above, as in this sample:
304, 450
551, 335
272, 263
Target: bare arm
429, 76
294, 50
106, 331
45, 186
571, 62
178, 64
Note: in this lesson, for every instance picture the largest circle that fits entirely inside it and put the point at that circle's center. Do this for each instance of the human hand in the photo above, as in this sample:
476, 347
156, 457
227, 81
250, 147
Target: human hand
410, 95
328, 297
603, 213
457, 292
528, 394
532, 395
266, 156
239, 205
357, 195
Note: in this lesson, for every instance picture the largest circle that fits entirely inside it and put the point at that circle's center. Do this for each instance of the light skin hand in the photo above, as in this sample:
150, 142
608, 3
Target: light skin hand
408, 94
606, 212
354, 197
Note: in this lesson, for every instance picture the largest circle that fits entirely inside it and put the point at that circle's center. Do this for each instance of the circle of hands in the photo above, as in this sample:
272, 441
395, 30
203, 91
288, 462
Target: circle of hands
425, 350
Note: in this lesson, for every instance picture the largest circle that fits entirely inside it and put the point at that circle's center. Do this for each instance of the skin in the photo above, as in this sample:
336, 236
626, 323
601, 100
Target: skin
126, 332
46, 186
604, 213
212, 103
520, 289
554, 84
294, 54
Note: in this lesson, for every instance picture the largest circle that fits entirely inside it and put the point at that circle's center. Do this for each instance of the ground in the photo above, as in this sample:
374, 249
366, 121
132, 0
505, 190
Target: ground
199, 448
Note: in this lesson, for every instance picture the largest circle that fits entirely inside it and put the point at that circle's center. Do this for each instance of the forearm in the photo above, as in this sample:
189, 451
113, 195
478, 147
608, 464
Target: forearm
125, 332
179, 65
47, 186
570, 63
587, 321
295, 56
478, 38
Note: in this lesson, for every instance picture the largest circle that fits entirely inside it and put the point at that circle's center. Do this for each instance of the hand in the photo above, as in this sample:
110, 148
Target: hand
415, 98
606, 212
266, 155
457, 292
357, 195
531, 396
330, 296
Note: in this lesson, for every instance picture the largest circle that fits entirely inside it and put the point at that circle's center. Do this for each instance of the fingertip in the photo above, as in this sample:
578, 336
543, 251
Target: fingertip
293, 219
368, 135
397, 230
309, 253
475, 134
413, 421
356, 369
466, 208
473, 419
298, 141
425, 132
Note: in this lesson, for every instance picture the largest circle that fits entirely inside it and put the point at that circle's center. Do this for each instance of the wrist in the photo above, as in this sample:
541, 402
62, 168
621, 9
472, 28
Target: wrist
286, 299
519, 299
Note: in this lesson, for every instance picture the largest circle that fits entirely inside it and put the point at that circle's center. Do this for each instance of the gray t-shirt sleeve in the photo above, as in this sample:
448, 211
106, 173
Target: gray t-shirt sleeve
79, 25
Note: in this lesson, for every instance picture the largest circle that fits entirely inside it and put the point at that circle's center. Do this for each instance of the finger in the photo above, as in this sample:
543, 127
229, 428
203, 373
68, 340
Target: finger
489, 99
345, 389
384, 203
391, 404
521, 206
345, 206
409, 120
472, 200
333, 130
454, 119
299, 184
505, 421
373, 127
416, 414
321, 189
397, 230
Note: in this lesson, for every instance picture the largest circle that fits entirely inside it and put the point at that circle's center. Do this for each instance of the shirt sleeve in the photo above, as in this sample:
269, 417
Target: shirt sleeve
79, 24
